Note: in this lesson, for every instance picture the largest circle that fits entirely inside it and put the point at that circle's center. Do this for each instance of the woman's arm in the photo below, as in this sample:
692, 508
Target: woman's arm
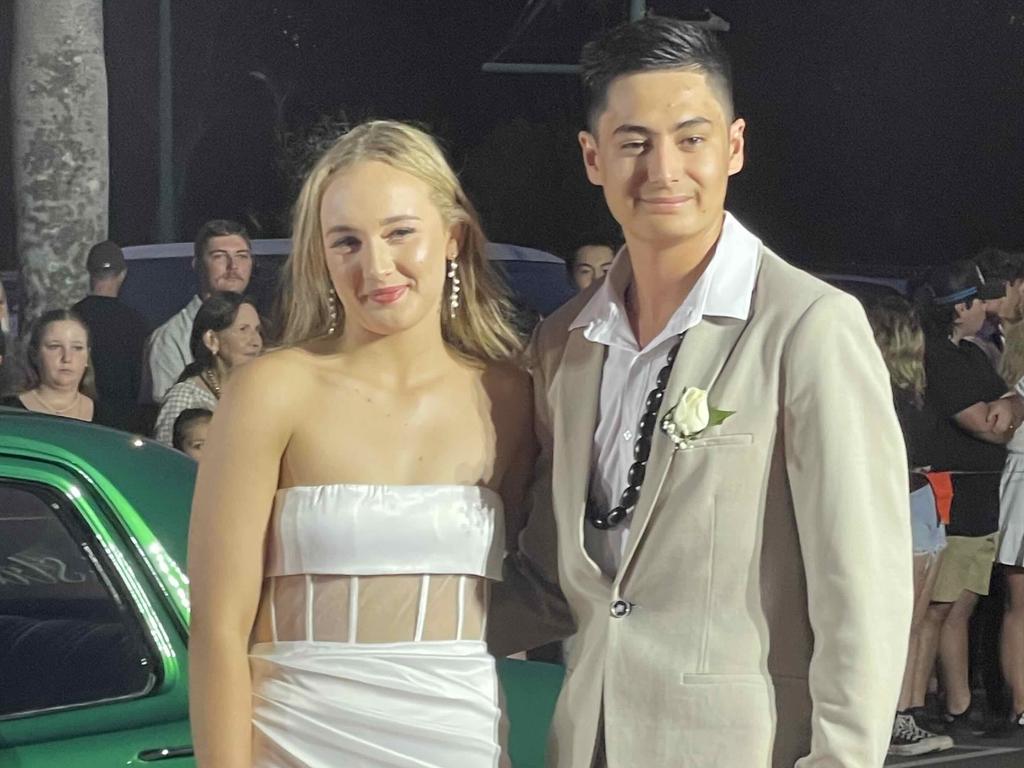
238, 477
528, 608
992, 422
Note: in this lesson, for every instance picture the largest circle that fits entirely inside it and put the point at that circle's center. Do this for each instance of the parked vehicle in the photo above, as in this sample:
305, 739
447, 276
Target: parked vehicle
94, 604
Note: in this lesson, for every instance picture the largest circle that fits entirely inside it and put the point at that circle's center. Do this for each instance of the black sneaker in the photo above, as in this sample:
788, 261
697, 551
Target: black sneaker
1007, 728
967, 724
908, 738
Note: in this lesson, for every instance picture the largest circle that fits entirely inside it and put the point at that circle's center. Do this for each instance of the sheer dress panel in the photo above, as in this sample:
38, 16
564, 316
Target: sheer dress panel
371, 609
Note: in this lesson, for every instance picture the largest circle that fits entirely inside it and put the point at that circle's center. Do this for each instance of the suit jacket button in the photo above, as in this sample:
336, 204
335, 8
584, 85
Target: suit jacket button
620, 609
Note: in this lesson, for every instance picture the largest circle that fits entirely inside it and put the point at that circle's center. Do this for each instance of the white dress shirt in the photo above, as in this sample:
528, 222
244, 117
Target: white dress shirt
168, 352
629, 373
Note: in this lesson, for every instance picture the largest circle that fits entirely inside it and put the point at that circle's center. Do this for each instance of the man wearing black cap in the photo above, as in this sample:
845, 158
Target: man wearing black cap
118, 335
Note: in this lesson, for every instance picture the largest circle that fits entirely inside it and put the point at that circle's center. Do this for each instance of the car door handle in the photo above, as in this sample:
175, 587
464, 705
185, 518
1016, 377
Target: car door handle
165, 753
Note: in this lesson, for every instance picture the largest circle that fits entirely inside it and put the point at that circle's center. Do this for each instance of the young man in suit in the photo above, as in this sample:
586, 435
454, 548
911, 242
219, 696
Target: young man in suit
721, 497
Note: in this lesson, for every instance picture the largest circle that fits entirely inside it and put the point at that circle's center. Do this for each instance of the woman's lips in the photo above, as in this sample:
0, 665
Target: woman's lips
388, 295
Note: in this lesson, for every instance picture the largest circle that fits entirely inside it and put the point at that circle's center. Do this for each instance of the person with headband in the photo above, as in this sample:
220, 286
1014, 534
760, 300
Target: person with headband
964, 388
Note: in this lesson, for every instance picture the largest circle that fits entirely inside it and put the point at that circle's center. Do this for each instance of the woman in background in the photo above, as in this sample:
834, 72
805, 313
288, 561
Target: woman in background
1011, 529
58, 373
900, 339
226, 335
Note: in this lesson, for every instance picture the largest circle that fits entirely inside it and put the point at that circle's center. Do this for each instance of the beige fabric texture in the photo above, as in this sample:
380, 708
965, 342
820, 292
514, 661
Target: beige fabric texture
966, 565
769, 564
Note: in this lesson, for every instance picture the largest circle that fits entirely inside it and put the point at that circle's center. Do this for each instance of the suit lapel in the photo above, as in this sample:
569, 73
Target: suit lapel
578, 395
704, 352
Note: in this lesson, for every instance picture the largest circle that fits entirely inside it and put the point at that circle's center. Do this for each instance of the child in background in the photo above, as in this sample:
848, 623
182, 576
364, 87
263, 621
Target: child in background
190, 431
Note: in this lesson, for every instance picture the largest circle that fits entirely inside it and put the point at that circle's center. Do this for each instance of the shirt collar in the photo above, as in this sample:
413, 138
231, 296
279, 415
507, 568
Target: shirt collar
724, 290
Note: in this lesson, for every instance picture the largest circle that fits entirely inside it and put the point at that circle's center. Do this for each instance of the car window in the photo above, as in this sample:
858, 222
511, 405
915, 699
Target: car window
67, 636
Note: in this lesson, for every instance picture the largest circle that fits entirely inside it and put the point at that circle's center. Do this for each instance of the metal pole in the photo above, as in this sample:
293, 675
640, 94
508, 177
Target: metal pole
637, 9
166, 226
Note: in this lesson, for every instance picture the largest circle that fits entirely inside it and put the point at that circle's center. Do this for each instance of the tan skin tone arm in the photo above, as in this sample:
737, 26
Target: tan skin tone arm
992, 422
513, 408
234, 495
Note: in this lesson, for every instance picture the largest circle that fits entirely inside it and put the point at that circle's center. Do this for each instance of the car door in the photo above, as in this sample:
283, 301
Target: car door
93, 662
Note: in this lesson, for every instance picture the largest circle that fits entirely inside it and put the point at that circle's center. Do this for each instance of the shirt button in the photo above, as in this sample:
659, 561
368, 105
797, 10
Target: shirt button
628, 434
619, 609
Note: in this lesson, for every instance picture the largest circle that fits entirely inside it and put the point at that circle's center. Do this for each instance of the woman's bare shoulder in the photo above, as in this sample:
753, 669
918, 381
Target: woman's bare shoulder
283, 372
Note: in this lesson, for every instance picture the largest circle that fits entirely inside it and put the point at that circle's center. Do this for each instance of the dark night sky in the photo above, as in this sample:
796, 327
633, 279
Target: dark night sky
878, 132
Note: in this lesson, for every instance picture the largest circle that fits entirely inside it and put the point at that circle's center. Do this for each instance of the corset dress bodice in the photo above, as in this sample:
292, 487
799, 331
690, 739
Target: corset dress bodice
327, 546
364, 530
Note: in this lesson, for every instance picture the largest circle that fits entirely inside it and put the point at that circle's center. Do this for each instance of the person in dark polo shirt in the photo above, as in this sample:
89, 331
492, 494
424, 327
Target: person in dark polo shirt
963, 387
118, 335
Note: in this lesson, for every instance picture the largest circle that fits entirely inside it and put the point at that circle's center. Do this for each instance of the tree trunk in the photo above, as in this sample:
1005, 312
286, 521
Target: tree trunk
60, 163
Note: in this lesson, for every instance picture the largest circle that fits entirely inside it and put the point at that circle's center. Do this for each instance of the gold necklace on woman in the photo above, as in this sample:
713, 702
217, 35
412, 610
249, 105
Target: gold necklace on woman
57, 411
210, 378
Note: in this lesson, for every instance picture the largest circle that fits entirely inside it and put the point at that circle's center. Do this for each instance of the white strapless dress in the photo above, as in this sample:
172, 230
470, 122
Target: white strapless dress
340, 703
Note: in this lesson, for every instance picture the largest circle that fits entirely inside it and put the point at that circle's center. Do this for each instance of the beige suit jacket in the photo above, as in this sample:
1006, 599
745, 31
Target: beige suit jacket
768, 567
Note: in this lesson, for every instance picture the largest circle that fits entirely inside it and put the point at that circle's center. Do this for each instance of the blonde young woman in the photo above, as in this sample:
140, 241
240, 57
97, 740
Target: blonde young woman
349, 507
1011, 529
900, 339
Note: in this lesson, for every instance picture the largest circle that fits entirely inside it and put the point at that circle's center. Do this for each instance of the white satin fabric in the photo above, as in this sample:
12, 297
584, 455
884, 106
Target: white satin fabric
335, 704
369, 530
395, 705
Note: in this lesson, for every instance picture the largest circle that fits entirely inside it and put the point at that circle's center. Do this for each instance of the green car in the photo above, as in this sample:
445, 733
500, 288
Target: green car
94, 604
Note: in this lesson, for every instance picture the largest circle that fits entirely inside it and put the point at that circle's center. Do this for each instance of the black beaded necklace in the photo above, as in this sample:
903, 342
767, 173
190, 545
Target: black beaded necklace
604, 521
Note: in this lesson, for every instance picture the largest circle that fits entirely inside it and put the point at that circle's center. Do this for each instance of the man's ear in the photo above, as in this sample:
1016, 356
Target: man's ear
736, 145
591, 161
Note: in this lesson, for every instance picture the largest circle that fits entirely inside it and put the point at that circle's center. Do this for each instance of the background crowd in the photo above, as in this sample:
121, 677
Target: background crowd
955, 353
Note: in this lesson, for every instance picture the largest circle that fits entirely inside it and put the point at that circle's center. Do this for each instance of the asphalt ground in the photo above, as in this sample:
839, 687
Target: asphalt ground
972, 752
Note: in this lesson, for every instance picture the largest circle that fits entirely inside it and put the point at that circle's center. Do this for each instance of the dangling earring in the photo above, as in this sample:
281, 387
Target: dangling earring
332, 311
453, 275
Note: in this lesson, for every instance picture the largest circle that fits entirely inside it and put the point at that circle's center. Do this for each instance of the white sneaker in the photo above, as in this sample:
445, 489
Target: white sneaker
908, 738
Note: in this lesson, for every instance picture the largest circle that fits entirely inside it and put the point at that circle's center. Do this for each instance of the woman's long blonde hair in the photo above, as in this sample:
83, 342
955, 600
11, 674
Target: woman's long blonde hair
1011, 366
898, 334
481, 327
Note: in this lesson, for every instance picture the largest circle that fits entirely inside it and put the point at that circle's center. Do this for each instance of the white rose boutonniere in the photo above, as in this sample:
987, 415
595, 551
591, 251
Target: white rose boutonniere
690, 416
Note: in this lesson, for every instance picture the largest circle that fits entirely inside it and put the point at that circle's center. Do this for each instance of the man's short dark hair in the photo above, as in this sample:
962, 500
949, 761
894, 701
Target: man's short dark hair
594, 237
651, 44
218, 228
1000, 266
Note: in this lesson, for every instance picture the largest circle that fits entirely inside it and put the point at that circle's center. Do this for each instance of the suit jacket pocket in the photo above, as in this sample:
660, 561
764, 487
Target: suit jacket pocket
721, 441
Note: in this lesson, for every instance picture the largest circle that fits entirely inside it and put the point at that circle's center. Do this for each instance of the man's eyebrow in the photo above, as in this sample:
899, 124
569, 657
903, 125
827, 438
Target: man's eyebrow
644, 131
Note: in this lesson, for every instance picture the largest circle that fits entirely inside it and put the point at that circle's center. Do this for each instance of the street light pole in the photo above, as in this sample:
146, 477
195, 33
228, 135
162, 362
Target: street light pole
165, 119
